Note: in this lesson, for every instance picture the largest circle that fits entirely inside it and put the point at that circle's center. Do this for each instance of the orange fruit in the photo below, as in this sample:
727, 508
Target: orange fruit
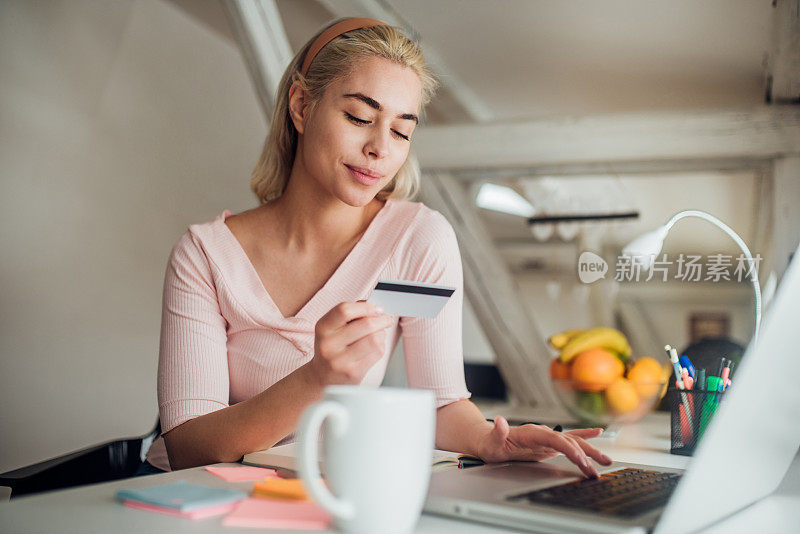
621, 396
596, 369
558, 369
646, 375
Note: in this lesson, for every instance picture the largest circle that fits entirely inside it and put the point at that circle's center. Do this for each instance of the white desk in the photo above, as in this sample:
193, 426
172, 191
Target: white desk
92, 509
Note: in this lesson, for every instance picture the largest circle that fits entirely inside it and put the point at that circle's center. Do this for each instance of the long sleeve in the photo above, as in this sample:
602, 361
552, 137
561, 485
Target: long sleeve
192, 364
433, 347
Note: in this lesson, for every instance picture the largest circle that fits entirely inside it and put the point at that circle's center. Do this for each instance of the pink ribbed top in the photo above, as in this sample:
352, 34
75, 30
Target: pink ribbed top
223, 339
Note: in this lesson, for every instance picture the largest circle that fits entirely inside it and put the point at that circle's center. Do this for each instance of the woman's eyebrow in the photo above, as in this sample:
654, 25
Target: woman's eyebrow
371, 102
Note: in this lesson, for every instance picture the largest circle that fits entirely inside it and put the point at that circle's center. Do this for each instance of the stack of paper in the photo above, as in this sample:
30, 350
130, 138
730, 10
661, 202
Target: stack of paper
182, 499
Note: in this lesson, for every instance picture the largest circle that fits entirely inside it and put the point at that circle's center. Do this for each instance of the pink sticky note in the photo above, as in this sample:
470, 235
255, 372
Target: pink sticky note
202, 513
269, 513
242, 474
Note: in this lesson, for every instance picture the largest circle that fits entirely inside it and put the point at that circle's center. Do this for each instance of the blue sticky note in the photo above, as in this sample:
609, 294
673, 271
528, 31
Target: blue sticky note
182, 495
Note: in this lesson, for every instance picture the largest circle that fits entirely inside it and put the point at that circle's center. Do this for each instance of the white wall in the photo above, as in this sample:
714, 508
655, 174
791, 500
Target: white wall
121, 123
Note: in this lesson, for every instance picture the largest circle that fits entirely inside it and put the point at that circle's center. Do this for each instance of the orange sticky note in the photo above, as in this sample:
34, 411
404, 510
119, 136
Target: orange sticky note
281, 488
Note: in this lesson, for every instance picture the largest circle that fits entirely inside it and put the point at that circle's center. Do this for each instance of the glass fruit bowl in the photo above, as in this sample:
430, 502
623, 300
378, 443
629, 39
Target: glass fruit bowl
601, 404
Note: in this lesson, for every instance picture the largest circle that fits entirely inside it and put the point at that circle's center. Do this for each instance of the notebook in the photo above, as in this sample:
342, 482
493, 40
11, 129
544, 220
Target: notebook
283, 457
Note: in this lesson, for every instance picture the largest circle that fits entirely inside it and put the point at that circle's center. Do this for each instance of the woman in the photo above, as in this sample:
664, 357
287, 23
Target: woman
264, 309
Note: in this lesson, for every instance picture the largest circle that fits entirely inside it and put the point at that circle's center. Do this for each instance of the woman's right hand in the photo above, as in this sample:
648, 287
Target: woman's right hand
348, 340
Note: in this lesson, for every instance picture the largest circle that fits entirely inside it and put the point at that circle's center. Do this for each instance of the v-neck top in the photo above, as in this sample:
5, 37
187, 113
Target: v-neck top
224, 340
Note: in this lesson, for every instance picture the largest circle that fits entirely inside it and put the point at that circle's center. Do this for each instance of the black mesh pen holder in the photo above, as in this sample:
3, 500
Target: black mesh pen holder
691, 413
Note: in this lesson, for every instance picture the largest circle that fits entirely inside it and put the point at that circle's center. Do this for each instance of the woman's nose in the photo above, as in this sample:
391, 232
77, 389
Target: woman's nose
377, 145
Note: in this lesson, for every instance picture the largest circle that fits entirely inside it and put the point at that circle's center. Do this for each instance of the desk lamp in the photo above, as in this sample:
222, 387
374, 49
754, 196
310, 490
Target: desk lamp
646, 247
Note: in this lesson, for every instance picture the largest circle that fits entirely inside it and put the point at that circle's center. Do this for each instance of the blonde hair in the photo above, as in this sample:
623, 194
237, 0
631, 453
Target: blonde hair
271, 174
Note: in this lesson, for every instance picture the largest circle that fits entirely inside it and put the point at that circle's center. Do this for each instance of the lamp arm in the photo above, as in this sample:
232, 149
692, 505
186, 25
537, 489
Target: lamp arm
733, 235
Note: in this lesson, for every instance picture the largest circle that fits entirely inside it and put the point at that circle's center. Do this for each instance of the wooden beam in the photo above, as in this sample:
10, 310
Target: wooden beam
786, 212
616, 168
611, 140
262, 41
784, 62
475, 108
521, 354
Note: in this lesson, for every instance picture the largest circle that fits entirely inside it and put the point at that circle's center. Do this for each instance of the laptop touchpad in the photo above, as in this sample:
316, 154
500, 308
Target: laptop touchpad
525, 472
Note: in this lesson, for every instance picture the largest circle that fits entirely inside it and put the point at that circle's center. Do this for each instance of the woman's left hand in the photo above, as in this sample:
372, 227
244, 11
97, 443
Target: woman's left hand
536, 443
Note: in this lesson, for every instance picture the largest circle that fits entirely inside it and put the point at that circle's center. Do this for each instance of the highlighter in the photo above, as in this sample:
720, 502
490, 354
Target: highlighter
725, 372
686, 363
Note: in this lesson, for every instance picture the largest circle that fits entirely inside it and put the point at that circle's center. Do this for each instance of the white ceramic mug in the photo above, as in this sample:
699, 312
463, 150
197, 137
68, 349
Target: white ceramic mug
378, 446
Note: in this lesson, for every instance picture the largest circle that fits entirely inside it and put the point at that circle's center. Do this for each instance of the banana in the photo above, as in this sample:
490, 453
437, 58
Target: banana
600, 337
557, 341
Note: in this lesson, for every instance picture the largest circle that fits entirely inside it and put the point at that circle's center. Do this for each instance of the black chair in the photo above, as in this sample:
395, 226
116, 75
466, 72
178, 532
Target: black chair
112, 460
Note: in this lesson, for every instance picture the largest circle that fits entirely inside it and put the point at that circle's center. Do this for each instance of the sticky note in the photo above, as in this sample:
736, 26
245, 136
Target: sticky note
281, 488
265, 513
182, 495
241, 474
201, 513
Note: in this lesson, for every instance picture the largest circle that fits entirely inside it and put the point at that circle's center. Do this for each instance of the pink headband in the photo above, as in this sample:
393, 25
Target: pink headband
331, 33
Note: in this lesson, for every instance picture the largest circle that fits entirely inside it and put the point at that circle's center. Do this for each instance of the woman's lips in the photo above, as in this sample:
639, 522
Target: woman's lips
361, 177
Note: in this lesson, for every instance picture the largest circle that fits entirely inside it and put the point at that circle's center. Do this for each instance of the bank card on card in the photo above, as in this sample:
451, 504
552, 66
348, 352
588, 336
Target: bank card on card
410, 299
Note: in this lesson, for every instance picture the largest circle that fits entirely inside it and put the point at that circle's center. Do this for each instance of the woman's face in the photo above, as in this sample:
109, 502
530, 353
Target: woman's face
358, 136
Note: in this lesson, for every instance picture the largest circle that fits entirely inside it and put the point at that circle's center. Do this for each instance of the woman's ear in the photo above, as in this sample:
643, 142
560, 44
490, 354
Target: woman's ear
298, 106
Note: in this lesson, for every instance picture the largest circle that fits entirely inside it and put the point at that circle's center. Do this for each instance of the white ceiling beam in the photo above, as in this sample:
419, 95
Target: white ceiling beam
764, 133
264, 46
784, 63
474, 106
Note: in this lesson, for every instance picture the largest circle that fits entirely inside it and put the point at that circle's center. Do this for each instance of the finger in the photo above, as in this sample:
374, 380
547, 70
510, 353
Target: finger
570, 449
586, 433
371, 346
343, 313
360, 328
584, 456
592, 452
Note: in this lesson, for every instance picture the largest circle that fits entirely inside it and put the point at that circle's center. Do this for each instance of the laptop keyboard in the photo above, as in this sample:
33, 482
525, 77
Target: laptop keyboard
627, 492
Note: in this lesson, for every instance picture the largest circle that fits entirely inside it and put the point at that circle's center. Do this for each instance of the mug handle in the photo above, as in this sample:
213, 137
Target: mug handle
308, 453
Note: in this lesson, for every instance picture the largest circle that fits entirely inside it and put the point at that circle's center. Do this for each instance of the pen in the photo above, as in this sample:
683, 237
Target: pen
687, 380
673, 357
725, 372
721, 367
687, 411
687, 364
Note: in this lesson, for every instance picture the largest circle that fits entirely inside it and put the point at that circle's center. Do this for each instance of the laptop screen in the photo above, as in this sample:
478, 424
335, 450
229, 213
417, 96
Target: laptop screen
754, 437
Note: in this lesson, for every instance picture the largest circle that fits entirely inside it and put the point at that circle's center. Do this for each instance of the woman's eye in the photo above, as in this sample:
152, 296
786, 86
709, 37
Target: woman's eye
356, 119
362, 122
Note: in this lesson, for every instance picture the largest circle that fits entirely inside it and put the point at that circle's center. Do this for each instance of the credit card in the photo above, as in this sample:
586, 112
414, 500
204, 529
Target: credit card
403, 298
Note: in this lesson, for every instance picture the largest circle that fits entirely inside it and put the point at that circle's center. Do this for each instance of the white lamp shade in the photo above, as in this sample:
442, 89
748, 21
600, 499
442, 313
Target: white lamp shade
647, 246
503, 199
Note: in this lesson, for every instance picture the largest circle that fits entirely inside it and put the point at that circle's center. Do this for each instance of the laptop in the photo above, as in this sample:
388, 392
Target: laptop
743, 456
